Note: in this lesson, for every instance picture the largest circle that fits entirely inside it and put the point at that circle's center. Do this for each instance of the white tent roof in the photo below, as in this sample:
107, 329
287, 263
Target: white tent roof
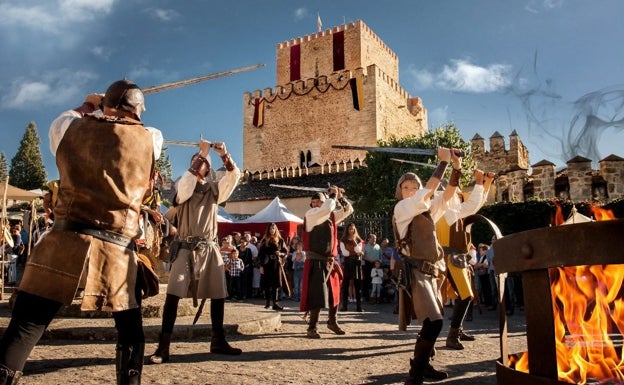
274, 212
17, 194
576, 217
224, 216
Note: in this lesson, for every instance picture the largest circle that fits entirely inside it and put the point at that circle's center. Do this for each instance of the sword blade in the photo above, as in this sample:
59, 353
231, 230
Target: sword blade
414, 162
302, 188
198, 79
180, 143
392, 150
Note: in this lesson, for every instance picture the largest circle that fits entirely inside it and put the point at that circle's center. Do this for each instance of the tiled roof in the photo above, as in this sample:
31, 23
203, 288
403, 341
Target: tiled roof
261, 189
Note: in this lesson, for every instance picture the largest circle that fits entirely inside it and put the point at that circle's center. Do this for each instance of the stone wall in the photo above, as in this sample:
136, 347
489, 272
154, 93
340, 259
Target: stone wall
577, 182
301, 120
362, 47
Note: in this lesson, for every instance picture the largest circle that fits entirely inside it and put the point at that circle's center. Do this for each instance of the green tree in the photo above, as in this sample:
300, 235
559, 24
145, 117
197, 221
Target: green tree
163, 165
4, 167
27, 170
373, 187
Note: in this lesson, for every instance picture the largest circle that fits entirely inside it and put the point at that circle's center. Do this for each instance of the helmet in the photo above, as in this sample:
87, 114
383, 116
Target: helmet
125, 95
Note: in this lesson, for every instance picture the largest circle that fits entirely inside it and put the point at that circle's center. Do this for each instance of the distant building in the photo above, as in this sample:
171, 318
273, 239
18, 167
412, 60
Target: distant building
577, 182
341, 86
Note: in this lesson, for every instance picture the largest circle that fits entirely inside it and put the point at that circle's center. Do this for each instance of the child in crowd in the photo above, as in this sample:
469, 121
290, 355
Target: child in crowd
235, 267
298, 258
376, 281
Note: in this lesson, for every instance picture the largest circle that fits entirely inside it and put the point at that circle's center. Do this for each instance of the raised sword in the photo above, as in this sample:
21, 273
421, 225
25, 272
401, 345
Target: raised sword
394, 150
198, 79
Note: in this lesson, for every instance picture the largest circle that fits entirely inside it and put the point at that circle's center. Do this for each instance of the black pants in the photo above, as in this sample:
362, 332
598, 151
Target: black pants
32, 315
170, 311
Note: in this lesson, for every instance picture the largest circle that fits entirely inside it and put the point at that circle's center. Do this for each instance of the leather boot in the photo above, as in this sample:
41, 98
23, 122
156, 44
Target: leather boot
452, 340
314, 317
218, 345
358, 306
161, 355
276, 305
465, 337
129, 363
332, 323
422, 367
8, 376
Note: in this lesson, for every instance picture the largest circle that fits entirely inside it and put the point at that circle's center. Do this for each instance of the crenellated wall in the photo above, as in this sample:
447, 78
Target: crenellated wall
577, 182
295, 123
362, 47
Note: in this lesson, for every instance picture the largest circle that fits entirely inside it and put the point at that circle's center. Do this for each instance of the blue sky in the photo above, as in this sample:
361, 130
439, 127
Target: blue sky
541, 67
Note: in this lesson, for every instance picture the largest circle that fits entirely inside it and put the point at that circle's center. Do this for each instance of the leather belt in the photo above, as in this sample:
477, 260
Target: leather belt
423, 266
101, 234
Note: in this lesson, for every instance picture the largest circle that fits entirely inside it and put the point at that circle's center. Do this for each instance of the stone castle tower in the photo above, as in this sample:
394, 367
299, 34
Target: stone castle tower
338, 86
577, 182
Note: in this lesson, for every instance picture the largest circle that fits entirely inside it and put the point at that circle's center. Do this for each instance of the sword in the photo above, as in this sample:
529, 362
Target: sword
199, 310
301, 188
414, 162
182, 143
395, 150
198, 79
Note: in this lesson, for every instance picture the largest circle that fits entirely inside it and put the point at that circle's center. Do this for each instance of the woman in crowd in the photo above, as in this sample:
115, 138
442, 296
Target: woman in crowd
271, 253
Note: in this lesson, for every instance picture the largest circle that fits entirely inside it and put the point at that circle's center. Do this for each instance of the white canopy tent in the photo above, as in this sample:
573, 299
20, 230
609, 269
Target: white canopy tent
17, 194
576, 217
275, 211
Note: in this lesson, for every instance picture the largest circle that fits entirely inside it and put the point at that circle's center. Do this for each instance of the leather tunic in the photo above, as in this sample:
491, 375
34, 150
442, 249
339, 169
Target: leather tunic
104, 165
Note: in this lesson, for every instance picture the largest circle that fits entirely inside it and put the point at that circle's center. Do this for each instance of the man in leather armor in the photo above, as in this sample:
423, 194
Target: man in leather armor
452, 234
198, 269
105, 163
322, 275
415, 214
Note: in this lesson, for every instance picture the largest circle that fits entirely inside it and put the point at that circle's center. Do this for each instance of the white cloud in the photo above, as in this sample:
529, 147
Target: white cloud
463, 76
300, 13
36, 18
534, 6
162, 14
550, 4
51, 89
52, 17
102, 52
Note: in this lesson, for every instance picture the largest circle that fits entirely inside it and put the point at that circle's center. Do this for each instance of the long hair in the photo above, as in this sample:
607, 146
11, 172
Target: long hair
268, 238
356, 235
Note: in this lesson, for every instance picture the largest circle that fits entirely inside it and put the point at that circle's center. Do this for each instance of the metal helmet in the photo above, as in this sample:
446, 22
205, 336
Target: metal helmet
125, 95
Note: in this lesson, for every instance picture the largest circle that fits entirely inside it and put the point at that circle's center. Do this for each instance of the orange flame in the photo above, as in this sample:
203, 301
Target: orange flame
557, 219
588, 308
602, 214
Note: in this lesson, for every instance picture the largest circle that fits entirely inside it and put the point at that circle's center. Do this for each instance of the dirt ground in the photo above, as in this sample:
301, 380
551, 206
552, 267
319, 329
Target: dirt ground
275, 350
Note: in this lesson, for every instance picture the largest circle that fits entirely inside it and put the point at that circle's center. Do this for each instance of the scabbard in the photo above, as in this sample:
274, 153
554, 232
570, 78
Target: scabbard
193, 284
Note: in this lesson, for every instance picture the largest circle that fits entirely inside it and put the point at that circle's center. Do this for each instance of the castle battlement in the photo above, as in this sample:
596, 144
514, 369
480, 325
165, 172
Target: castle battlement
296, 171
577, 182
337, 80
330, 31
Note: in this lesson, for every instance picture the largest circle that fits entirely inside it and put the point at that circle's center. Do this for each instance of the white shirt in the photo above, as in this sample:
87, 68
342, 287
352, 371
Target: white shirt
317, 215
406, 209
60, 125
